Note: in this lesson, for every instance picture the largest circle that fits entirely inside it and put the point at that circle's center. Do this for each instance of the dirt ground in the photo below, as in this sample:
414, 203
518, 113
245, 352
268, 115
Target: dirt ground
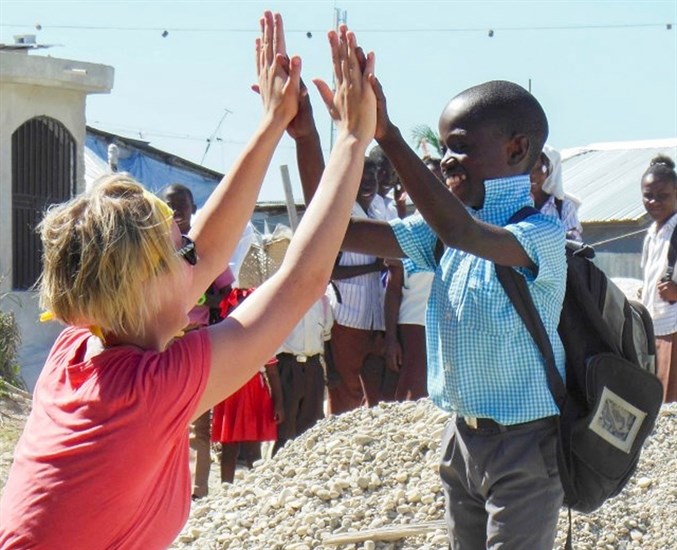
14, 408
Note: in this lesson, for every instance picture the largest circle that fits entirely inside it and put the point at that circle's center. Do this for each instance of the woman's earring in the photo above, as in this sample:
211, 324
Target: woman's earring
544, 169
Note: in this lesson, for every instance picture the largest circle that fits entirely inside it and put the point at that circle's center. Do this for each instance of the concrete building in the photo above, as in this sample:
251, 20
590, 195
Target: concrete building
42, 137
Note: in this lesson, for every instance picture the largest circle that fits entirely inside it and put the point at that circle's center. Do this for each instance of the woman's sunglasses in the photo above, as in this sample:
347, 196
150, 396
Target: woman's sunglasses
188, 250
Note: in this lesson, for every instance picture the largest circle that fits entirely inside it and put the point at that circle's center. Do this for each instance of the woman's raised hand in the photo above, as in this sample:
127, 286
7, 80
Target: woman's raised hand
278, 78
353, 104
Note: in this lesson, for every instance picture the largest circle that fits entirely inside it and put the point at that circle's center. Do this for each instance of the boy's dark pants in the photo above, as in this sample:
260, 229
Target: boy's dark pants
502, 488
358, 360
302, 394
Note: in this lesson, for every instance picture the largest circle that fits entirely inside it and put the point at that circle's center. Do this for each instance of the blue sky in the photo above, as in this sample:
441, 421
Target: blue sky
604, 71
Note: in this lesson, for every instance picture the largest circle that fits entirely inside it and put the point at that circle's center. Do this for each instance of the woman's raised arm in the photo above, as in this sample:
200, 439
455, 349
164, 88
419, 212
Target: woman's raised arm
225, 214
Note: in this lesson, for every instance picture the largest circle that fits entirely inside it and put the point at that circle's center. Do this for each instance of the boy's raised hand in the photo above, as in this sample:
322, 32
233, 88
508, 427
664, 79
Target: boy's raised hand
279, 86
353, 104
382, 119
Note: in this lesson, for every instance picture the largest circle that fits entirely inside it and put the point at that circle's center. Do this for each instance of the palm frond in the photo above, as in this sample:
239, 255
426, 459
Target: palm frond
426, 140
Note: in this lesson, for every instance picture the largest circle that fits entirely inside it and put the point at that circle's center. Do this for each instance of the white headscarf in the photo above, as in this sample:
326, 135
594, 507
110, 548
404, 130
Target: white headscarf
553, 183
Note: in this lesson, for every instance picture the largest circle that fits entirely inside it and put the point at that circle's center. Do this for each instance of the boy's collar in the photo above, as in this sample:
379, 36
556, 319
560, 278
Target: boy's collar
503, 197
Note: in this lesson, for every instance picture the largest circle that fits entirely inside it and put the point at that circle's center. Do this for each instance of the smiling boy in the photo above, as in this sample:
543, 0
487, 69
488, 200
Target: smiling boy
498, 464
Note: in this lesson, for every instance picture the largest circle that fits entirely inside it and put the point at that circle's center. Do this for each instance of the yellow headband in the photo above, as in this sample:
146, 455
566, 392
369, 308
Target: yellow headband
161, 205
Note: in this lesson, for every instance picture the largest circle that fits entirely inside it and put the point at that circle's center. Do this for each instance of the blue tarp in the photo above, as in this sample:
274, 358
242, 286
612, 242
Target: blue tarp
153, 173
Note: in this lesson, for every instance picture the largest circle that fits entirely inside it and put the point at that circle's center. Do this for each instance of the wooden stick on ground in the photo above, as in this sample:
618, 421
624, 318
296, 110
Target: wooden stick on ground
390, 533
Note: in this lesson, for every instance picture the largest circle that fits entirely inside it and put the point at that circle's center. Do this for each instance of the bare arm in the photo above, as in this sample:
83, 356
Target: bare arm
374, 237
309, 157
258, 327
224, 216
445, 214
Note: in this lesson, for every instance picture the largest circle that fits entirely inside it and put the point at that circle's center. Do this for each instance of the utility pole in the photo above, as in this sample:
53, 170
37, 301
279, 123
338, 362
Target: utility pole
340, 18
289, 198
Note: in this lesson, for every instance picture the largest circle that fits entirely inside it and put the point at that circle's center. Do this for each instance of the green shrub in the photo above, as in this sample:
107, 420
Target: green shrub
10, 339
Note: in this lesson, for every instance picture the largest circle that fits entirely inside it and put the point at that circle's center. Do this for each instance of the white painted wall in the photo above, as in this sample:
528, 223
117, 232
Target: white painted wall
33, 86
36, 337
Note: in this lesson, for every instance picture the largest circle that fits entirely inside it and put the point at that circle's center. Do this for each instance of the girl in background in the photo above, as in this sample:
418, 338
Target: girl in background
659, 291
250, 416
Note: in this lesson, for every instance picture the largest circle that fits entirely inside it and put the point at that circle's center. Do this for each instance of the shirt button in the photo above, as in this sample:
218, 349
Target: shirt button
447, 367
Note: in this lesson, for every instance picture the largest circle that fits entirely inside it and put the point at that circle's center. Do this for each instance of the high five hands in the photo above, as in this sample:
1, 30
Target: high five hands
279, 76
353, 104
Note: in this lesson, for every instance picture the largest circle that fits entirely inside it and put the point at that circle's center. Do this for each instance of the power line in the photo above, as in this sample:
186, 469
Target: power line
491, 29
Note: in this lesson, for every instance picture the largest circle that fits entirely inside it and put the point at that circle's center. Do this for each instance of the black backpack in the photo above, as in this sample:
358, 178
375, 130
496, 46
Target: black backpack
612, 397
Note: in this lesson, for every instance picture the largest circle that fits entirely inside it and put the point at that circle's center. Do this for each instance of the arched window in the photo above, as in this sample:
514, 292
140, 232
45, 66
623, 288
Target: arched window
43, 173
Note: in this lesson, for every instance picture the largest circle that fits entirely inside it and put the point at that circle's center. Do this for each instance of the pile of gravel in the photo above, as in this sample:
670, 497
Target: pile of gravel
365, 475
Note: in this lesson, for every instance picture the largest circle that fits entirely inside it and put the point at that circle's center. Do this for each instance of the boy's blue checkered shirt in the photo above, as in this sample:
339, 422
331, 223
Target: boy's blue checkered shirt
482, 361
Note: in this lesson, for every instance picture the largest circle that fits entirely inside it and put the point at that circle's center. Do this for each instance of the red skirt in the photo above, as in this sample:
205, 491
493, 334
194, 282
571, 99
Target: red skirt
247, 415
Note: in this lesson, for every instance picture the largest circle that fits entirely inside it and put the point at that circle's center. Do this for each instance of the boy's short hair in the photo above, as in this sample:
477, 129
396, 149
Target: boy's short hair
511, 109
174, 188
99, 251
378, 156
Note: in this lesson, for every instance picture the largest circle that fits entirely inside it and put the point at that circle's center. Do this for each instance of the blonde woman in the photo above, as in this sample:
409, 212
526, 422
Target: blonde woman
103, 461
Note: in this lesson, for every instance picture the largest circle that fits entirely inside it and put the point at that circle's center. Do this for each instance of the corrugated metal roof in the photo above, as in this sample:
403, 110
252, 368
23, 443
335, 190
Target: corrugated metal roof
606, 177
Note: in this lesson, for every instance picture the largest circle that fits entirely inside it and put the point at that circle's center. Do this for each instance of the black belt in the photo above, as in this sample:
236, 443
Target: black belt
299, 358
489, 426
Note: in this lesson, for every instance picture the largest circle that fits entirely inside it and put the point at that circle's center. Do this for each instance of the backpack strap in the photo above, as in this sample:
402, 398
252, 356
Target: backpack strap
333, 284
672, 254
516, 288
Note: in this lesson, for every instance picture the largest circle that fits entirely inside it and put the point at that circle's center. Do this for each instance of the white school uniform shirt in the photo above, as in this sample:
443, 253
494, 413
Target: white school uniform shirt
312, 331
362, 297
415, 291
569, 217
654, 264
388, 207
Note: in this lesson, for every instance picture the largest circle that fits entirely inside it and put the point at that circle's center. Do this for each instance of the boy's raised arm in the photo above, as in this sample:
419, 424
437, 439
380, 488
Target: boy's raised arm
309, 157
